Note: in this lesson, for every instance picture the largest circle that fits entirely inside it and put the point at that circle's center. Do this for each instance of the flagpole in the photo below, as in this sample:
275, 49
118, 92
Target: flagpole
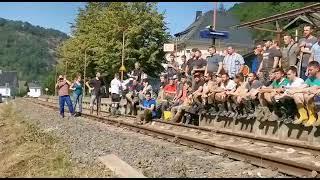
214, 21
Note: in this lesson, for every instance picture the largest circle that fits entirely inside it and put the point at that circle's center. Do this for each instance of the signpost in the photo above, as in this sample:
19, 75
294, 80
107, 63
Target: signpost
168, 47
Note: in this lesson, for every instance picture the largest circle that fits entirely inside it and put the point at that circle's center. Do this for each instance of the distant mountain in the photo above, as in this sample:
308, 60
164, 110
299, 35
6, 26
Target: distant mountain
28, 49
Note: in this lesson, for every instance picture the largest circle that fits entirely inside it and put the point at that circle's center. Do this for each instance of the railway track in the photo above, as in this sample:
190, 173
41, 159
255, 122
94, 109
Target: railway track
287, 158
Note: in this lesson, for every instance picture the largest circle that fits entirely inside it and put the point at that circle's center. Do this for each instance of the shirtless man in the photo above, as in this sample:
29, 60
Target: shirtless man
236, 100
221, 97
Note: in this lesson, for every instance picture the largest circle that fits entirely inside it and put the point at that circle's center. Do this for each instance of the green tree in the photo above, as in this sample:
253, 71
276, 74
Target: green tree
99, 30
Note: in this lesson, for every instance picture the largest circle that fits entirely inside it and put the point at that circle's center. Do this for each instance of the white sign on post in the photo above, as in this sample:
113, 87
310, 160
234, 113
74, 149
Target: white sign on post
168, 47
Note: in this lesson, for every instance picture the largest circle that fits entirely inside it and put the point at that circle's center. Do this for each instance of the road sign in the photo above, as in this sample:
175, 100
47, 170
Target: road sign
168, 47
210, 34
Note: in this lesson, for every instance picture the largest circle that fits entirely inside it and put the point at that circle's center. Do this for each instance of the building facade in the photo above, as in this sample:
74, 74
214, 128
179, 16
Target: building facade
190, 38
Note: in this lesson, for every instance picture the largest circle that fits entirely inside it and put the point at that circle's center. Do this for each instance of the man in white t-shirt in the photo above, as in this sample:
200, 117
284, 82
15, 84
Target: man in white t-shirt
227, 85
115, 89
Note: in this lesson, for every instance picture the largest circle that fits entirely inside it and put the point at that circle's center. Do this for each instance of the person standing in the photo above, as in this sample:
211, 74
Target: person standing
305, 45
214, 62
63, 90
233, 62
270, 61
77, 88
184, 64
190, 61
173, 66
115, 91
94, 86
137, 72
289, 52
315, 52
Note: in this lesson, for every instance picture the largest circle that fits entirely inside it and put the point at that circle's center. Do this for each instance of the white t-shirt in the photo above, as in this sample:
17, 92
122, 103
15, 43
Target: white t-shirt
115, 86
298, 82
231, 85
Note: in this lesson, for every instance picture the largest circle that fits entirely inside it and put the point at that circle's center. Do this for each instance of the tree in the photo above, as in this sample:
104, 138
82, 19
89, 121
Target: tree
99, 30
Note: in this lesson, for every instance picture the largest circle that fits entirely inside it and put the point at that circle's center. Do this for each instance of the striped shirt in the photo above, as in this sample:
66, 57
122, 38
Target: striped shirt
232, 63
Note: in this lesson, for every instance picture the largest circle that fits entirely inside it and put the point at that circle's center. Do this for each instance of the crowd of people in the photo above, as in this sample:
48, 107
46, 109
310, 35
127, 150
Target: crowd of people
283, 85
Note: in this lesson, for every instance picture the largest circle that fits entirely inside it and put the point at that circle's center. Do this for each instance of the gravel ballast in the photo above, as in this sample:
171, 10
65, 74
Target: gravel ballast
88, 140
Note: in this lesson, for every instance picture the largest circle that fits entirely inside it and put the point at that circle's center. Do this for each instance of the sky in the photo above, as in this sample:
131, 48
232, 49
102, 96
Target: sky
59, 15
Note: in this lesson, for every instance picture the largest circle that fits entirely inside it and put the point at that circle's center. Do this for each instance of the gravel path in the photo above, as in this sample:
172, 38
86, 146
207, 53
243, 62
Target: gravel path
153, 157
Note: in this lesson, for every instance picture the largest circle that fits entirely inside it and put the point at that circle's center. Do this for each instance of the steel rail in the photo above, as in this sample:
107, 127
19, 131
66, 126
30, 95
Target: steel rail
242, 135
262, 160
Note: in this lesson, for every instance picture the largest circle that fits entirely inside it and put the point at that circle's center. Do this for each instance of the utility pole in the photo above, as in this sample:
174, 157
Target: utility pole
55, 82
84, 71
214, 21
122, 68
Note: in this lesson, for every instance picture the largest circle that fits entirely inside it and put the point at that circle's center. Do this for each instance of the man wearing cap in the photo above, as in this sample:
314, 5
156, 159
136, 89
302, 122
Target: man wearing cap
63, 86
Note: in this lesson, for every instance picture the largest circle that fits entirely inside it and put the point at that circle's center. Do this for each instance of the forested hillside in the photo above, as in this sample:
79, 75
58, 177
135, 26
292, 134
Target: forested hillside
249, 11
28, 49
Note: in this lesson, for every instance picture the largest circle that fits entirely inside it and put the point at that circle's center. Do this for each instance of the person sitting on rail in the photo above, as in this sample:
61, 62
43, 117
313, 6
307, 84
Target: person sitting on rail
267, 94
226, 85
284, 101
178, 100
235, 98
178, 111
304, 96
197, 88
132, 96
169, 92
149, 109
208, 86
250, 99
215, 88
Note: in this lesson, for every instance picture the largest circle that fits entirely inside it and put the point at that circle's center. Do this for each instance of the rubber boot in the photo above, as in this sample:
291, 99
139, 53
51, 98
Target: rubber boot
302, 113
312, 115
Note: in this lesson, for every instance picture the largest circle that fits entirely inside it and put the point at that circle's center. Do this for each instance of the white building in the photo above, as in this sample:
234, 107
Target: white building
8, 83
34, 90
5, 91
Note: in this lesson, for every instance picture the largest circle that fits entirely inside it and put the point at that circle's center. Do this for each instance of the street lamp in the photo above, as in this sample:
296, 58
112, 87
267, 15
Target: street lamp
122, 68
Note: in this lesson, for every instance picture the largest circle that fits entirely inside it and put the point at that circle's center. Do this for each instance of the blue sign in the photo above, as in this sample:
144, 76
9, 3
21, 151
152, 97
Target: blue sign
210, 34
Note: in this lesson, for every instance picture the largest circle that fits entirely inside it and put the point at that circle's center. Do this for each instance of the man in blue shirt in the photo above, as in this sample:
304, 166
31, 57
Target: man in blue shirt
149, 111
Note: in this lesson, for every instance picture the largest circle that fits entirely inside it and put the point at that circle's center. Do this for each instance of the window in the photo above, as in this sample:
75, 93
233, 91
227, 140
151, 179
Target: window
188, 51
35, 90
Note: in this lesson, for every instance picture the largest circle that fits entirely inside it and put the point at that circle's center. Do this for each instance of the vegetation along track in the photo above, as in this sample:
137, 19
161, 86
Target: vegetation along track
295, 161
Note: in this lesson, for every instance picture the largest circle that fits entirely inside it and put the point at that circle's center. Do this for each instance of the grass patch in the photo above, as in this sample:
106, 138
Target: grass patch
26, 151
